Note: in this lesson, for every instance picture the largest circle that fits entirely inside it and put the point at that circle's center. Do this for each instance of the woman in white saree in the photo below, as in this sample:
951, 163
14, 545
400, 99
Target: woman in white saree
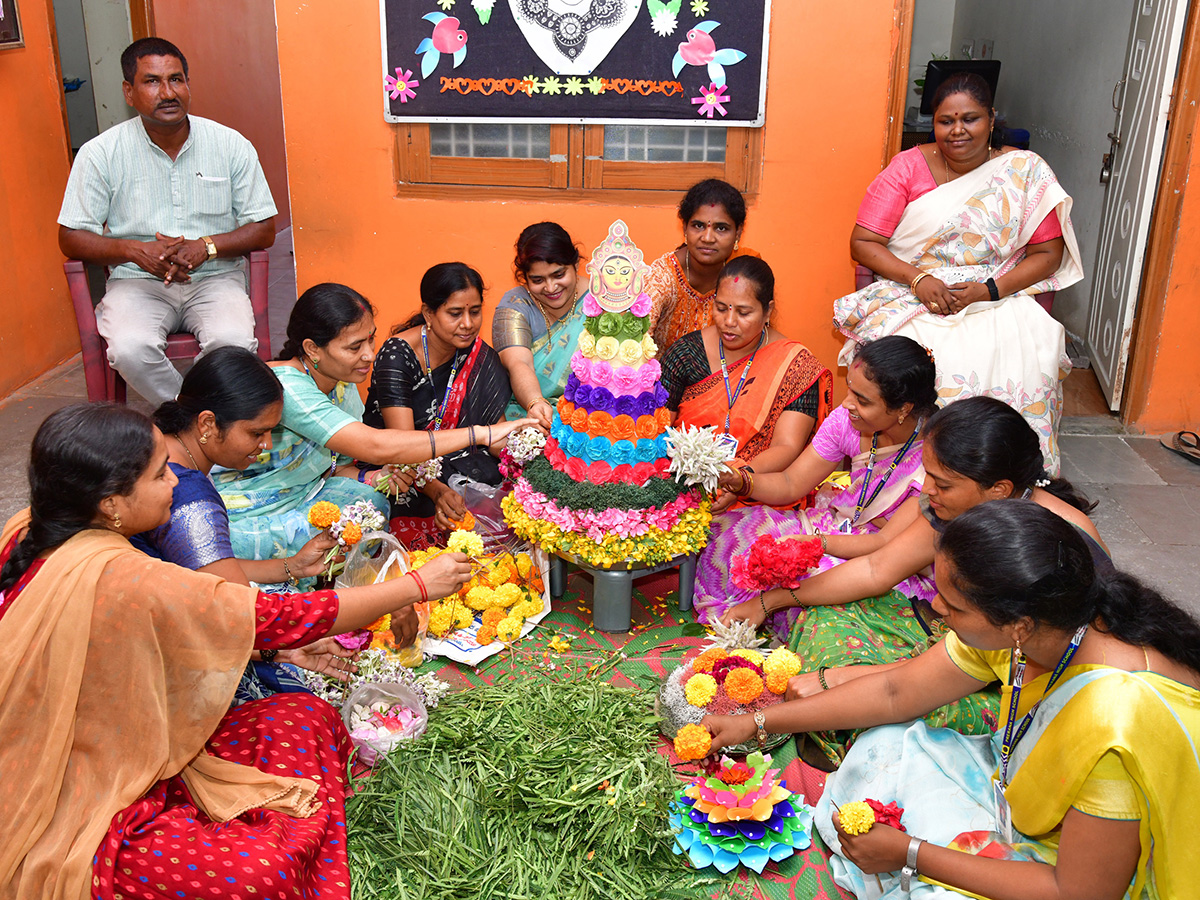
962, 236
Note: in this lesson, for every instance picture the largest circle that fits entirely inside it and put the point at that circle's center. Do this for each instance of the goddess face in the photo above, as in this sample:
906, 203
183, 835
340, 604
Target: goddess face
616, 276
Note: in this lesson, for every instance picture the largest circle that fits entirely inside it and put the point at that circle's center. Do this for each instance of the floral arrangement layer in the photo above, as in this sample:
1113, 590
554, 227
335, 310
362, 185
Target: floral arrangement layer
346, 526
776, 563
741, 813
602, 491
722, 682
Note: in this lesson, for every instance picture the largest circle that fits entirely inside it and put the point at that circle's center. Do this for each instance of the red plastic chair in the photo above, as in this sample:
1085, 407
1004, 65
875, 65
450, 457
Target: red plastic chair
104, 382
864, 276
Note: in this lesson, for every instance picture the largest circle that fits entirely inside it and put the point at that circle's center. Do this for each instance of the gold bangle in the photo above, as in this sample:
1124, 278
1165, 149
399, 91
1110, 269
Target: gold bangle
287, 570
821, 678
824, 544
912, 285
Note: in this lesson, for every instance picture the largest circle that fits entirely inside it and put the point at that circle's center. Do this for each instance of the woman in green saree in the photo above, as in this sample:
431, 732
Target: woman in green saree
537, 324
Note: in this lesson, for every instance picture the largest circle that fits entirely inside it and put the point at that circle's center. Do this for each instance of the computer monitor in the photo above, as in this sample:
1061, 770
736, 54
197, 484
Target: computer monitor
938, 70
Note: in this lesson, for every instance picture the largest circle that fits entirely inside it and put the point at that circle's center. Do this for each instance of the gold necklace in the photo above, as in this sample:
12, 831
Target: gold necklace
946, 165
538, 303
179, 441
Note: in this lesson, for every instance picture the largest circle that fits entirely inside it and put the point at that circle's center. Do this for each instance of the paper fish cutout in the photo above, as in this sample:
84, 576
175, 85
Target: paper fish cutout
447, 38
701, 50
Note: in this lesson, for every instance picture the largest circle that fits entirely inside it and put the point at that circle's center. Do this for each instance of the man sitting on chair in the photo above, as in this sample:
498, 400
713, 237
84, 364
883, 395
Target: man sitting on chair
170, 202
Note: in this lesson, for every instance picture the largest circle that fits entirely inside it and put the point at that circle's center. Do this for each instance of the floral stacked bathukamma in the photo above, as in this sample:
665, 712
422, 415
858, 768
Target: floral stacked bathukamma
603, 491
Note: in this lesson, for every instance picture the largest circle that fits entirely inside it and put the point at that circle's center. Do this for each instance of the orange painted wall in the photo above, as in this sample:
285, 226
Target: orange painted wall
36, 321
1165, 375
826, 114
234, 71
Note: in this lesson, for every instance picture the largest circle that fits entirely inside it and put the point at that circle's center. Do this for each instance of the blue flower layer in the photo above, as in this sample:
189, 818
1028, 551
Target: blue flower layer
601, 449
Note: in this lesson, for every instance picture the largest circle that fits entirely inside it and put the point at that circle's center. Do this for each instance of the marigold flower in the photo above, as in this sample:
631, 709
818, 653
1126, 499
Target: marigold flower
747, 654
493, 615
509, 629
507, 595
777, 682
524, 564
486, 634
463, 616
480, 597
467, 542
743, 685
500, 573
704, 662
528, 607
323, 514
782, 660
351, 534
692, 742
856, 816
383, 623
700, 689
441, 621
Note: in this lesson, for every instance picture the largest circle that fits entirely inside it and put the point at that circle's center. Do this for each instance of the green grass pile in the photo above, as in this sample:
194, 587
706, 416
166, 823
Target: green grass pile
532, 788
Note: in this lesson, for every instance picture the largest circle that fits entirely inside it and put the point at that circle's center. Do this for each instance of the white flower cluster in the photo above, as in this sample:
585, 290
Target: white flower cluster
378, 666
428, 472
698, 455
525, 445
361, 512
736, 635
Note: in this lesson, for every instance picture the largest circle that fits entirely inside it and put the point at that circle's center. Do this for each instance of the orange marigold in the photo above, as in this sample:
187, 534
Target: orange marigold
322, 514
351, 534
706, 660
777, 682
493, 615
486, 634
743, 685
692, 742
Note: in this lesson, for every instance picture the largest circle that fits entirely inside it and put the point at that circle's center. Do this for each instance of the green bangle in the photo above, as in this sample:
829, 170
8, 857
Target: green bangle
821, 678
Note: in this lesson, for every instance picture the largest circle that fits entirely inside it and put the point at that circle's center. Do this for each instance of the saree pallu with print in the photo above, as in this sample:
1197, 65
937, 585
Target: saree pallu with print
974, 228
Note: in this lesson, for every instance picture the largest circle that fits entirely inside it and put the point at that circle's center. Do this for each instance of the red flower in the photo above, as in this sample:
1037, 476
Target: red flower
738, 773
575, 469
887, 813
776, 563
599, 473
722, 667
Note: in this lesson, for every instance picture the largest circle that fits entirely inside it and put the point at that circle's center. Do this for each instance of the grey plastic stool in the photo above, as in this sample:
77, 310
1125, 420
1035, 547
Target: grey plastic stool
612, 600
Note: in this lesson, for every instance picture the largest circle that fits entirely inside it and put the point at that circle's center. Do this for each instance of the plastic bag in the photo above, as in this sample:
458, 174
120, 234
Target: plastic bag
377, 558
369, 727
483, 502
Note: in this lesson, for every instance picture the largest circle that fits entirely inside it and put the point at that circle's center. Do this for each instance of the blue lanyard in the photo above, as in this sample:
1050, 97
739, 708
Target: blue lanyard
858, 509
1011, 738
732, 398
437, 422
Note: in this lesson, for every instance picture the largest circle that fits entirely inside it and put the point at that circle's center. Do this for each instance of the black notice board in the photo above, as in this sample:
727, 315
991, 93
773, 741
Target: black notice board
679, 62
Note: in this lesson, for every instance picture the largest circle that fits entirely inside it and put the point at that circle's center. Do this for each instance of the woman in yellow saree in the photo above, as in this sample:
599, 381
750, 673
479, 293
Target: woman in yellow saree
1086, 791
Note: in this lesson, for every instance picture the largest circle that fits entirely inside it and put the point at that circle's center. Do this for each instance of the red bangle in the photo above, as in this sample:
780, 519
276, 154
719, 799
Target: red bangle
420, 586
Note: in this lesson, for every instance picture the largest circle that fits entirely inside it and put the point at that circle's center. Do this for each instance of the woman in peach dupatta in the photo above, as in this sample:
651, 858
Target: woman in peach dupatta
124, 771
768, 393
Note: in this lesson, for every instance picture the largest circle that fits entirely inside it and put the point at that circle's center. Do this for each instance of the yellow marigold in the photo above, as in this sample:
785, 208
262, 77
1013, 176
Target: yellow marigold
480, 597
749, 655
524, 565
486, 634
692, 742
507, 595
782, 660
700, 689
743, 685
777, 682
322, 514
463, 615
528, 608
500, 573
467, 542
706, 660
492, 616
441, 621
856, 816
351, 534
383, 623
509, 629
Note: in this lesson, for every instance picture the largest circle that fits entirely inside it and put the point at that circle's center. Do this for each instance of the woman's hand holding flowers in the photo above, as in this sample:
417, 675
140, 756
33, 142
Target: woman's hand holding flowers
450, 506
326, 656
444, 575
729, 730
882, 849
310, 560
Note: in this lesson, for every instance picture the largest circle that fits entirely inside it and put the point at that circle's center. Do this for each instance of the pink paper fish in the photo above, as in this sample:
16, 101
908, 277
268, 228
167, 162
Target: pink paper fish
701, 50
447, 38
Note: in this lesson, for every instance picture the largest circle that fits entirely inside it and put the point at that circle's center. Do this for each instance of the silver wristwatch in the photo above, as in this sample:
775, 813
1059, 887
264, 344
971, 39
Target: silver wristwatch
909, 871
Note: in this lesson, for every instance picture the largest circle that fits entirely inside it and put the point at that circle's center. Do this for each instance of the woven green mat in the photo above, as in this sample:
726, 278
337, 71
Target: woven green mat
661, 637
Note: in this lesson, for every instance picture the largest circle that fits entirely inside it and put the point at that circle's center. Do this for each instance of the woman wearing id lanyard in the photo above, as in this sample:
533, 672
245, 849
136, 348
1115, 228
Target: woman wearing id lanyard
874, 607
891, 392
435, 373
330, 348
1086, 789
741, 376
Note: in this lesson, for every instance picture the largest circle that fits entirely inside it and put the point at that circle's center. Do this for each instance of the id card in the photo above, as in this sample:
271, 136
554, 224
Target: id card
1003, 814
844, 528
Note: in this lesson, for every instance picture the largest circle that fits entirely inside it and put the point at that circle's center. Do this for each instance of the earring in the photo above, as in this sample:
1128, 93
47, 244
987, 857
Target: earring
900, 421
735, 245
316, 367
204, 438
1017, 651
117, 521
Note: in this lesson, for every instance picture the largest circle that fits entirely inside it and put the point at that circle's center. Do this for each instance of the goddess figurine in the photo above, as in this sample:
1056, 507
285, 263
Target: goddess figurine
617, 271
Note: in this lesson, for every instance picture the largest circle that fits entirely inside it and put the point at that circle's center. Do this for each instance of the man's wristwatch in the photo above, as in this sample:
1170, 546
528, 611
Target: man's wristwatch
909, 871
760, 719
210, 247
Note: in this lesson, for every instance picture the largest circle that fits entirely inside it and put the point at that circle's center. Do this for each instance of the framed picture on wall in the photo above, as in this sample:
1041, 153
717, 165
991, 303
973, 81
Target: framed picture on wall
10, 25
